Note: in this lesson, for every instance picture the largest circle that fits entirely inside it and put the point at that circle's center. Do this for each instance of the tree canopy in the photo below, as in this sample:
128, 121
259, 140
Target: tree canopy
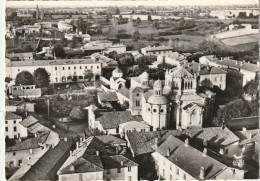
59, 51
24, 78
41, 77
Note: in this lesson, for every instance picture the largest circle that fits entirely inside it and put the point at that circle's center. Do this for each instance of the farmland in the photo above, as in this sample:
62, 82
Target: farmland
246, 39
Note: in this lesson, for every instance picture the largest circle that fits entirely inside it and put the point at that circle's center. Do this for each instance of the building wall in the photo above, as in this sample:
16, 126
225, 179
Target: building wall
82, 176
190, 120
117, 49
136, 102
124, 175
168, 170
57, 71
11, 125
22, 131
247, 76
210, 80
231, 174
23, 155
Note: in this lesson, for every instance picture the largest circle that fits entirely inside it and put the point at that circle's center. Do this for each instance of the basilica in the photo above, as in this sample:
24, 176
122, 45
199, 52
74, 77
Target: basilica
175, 102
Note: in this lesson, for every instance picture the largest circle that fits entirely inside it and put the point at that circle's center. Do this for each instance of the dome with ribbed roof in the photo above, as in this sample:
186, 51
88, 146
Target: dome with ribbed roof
181, 72
158, 84
144, 75
158, 100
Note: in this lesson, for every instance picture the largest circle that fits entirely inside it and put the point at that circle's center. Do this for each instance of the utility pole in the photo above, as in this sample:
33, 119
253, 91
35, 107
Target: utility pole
48, 106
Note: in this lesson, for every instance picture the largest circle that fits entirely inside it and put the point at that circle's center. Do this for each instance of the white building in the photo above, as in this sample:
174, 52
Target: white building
176, 160
62, 26
173, 58
18, 106
156, 50
11, 125
248, 70
119, 48
116, 81
62, 70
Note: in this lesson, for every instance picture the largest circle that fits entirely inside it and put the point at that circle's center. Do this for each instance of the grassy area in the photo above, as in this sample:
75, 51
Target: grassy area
239, 40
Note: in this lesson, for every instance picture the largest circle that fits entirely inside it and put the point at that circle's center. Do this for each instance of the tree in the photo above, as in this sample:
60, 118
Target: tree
251, 15
209, 47
88, 74
242, 15
138, 21
59, 51
156, 25
117, 11
77, 113
14, 15
24, 78
41, 77
150, 18
181, 22
136, 35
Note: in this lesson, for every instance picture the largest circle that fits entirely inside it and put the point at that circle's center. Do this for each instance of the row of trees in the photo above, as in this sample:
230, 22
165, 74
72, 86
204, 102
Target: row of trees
40, 78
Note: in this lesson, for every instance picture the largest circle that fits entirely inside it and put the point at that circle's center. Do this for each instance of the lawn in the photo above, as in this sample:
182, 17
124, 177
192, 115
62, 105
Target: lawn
240, 40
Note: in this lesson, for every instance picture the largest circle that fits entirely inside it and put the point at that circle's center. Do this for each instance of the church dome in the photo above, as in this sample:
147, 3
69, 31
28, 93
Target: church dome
158, 84
161, 100
181, 72
144, 75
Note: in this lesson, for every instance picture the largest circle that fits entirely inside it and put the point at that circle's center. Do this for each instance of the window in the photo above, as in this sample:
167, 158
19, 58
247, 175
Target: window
97, 67
149, 109
86, 67
163, 172
170, 176
154, 110
129, 178
118, 170
74, 73
91, 67
137, 95
80, 67
129, 169
220, 78
63, 68
177, 171
215, 79
6, 129
55, 68
142, 130
170, 167
6, 122
15, 129
13, 153
220, 86
75, 68
69, 68
184, 176
18, 70
161, 110
108, 171
137, 103
20, 162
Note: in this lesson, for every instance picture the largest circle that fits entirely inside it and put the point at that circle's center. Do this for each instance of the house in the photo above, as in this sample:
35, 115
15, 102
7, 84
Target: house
18, 106
237, 124
156, 50
62, 70
123, 95
109, 122
116, 81
105, 61
64, 27
24, 124
46, 51
176, 159
28, 93
119, 48
109, 96
11, 123
21, 56
172, 58
97, 159
248, 70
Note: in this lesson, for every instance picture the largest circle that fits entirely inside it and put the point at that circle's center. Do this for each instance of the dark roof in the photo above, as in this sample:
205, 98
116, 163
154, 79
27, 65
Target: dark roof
30, 143
159, 48
107, 96
30, 120
109, 139
111, 120
205, 70
45, 165
124, 91
12, 102
10, 116
247, 122
189, 159
115, 162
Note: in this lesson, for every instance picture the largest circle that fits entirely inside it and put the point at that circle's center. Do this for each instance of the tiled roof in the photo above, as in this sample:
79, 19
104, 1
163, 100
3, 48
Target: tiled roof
188, 97
30, 120
22, 55
247, 122
12, 102
148, 94
188, 106
107, 96
10, 116
48, 162
111, 120
189, 159
236, 64
248, 136
109, 139
205, 70
217, 136
38, 127
134, 124
28, 92
114, 161
49, 62
159, 48
124, 91
81, 165
181, 72
30, 143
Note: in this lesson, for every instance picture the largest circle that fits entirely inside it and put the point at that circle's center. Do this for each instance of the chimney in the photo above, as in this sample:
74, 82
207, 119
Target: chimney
257, 63
202, 172
186, 142
72, 168
53, 126
168, 152
204, 152
236, 62
122, 163
97, 153
36, 135
250, 136
20, 139
80, 140
244, 129
84, 138
77, 145
117, 150
65, 139
156, 143
221, 151
71, 152
31, 151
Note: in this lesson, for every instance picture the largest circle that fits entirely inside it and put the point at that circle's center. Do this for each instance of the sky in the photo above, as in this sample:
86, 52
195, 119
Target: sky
103, 3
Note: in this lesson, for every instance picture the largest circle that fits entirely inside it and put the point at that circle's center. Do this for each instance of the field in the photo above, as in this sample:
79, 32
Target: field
246, 39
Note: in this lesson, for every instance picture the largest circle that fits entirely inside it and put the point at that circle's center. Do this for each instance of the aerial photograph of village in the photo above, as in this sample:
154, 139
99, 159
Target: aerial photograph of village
131, 90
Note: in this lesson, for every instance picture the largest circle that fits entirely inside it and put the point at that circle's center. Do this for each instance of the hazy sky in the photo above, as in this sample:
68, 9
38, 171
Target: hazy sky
127, 3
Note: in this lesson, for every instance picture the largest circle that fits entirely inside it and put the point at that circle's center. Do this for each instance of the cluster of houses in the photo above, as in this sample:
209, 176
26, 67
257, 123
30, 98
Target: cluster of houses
162, 127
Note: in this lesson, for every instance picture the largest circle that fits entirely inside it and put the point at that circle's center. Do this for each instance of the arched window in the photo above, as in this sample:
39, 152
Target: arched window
154, 110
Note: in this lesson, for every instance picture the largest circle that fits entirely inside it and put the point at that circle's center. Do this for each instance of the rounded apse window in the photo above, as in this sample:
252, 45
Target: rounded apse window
161, 110
154, 110
149, 109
